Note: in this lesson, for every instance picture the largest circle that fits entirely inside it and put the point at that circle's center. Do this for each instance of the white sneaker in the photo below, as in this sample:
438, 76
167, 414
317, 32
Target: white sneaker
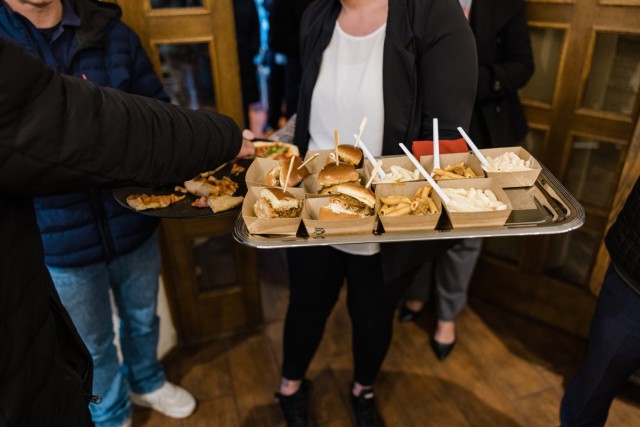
170, 400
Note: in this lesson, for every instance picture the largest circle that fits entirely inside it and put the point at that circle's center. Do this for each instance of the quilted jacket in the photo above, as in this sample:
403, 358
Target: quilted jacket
88, 227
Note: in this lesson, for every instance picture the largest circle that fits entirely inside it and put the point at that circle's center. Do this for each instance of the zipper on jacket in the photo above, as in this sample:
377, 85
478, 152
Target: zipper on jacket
103, 224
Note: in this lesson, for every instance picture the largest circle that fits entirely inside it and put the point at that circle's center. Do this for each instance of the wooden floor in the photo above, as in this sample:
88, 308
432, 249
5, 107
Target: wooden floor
504, 371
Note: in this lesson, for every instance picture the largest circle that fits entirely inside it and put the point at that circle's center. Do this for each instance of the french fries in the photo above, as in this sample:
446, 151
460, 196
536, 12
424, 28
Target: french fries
473, 200
419, 204
457, 171
398, 174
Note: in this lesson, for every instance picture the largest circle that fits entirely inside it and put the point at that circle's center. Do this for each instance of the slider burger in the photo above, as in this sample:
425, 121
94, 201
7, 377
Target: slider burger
278, 175
348, 202
333, 174
276, 203
347, 154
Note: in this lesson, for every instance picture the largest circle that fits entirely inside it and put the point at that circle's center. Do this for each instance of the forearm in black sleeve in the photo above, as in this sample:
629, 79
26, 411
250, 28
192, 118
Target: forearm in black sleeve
73, 135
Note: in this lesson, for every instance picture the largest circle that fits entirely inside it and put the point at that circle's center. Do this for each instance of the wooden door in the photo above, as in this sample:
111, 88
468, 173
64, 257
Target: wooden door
582, 106
211, 281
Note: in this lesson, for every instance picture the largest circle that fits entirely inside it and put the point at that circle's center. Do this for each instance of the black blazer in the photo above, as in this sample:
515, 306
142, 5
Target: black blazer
505, 65
429, 69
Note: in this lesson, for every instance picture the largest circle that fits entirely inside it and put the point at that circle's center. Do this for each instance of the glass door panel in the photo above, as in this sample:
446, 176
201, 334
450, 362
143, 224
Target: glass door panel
593, 170
186, 74
614, 77
547, 44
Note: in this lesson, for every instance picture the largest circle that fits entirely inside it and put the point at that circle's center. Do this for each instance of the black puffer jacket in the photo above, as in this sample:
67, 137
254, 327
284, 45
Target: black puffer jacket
116, 139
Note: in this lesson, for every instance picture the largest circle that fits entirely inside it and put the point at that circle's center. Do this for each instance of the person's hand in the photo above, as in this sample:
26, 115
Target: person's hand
247, 151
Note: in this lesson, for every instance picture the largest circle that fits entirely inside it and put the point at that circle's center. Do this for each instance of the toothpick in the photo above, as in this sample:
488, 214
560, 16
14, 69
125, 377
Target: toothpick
286, 181
373, 173
209, 173
336, 142
308, 160
363, 123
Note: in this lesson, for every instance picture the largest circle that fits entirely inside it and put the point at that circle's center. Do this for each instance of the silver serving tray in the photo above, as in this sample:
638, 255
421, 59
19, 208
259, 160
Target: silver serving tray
544, 208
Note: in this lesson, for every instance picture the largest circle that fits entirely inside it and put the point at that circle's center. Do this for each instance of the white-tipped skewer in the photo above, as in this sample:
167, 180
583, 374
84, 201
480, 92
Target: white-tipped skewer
479, 155
426, 175
373, 173
363, 123
308, 160
368, 154
436, 145
286, 181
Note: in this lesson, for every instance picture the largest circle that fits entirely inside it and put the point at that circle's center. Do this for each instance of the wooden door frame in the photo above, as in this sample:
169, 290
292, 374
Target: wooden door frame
194, 25
524, 286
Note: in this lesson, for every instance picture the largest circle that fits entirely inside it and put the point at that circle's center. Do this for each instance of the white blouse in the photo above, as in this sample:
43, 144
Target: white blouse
349, 87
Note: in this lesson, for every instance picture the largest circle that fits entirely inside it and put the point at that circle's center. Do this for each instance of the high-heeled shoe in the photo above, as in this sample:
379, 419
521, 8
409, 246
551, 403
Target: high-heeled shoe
407, 315
441, 350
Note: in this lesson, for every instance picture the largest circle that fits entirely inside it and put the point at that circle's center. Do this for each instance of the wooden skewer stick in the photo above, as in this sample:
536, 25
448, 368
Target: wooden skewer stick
209, 173
374, 172
308, 160
363, 123
286, 181
336, 142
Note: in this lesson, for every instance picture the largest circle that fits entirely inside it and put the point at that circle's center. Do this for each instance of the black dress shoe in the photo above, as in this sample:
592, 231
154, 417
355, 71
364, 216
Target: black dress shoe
441, 350
407, 315
296, 408
365, 410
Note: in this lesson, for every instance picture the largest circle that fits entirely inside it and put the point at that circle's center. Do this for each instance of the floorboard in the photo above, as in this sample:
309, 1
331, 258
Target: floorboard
505, 371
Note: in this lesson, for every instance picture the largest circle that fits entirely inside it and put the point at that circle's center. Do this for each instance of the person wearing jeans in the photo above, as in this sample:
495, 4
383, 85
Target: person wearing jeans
85, 291
613, 348
91, 243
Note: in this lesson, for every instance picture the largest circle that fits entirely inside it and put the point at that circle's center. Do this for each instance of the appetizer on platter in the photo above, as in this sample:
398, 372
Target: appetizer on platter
419, 204
473, 200
141, 202
507, 162
347, 154
278, 175
277, 203
348, 201
397, 173
456, 171
275, 150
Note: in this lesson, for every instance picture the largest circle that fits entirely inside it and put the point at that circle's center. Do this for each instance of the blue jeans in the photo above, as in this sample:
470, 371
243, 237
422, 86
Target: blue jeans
613, 354
133, 280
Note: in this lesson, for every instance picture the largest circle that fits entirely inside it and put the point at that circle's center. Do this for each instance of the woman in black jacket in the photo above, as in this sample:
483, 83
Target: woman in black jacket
401, 63
116, 140
505, 65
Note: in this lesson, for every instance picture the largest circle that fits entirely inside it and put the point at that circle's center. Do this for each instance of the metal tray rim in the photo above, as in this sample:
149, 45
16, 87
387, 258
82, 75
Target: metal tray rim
571, 220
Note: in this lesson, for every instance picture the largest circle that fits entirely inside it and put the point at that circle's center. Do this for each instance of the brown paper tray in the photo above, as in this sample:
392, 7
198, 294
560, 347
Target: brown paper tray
547, 207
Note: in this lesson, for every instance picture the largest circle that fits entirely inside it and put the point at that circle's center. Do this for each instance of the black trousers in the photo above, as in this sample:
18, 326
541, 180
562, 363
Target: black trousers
613, 354
316, 275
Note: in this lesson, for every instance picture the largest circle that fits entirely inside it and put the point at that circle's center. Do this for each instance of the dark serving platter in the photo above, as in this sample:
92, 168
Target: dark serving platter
183, 208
